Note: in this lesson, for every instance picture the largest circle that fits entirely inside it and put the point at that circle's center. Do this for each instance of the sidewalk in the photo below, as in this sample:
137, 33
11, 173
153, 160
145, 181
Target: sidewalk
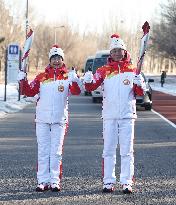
169, 86
12, 104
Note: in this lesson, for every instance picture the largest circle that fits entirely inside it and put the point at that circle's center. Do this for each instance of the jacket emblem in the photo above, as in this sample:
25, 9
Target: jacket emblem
60, 88
126, 82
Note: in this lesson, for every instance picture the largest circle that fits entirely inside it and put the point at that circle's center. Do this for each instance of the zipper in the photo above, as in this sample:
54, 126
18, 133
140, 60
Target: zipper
119, 90
54, 74
53, 94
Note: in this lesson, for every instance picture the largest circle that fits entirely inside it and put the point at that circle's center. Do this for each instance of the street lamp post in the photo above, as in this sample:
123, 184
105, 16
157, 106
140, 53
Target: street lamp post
55, 32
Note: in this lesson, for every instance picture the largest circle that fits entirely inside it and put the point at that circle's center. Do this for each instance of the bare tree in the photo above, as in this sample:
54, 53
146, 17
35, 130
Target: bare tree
85, 46
9, 30
164, 32
76, 46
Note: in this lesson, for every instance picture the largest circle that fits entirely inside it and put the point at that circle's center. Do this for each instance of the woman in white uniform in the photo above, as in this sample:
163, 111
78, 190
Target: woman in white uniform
53, 87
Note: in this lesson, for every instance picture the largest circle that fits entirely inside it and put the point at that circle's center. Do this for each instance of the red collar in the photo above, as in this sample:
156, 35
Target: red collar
62, 69
116, 65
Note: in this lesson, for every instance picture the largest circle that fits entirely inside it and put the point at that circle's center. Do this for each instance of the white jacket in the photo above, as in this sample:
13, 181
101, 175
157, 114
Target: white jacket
118, 90
52, 106
118, 97
53, 87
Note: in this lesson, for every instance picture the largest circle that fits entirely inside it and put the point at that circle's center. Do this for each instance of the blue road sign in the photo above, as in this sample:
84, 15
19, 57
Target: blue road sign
13, 49
13, 52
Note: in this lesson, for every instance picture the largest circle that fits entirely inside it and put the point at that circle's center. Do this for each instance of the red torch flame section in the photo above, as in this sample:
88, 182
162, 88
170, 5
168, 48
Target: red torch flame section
146, 27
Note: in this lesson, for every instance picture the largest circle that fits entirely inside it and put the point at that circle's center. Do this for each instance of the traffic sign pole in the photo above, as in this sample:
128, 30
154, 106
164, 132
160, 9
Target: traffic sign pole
13, 61
12, 65
5, 83
19, 89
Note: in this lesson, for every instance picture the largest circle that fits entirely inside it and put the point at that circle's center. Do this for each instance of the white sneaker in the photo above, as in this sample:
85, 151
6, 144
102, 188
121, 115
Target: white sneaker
42, 187
109, 187
55, 187
127, 189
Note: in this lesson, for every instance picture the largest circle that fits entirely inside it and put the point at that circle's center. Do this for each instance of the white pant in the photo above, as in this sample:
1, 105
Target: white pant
50, 139
122, 132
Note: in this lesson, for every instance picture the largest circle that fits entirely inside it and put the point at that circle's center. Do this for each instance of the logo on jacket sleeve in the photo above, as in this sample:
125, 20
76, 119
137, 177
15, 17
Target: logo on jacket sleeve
126, 82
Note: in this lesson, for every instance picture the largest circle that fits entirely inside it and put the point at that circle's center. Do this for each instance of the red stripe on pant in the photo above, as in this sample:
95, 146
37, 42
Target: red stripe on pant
61, 170
60, 175
102, 168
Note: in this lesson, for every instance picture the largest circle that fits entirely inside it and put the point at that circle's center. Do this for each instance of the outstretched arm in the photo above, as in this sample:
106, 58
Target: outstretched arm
139, 87
92, 82
74, 83
74, 88
31, 89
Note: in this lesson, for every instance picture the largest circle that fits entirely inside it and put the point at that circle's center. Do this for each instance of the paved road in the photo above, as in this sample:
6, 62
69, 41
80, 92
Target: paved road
155, 160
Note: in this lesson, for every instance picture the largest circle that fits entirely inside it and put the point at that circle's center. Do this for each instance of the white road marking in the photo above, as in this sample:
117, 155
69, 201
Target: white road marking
168, 121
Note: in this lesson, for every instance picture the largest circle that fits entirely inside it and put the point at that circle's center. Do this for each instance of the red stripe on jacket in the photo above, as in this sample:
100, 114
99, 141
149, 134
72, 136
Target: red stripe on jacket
116, 67
33, 88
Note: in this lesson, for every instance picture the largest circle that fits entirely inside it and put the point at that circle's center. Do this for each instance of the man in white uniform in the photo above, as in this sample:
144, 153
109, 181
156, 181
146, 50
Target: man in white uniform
120, 84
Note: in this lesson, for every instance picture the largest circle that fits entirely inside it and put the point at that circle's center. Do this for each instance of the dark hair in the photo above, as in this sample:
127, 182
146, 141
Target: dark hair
55, 56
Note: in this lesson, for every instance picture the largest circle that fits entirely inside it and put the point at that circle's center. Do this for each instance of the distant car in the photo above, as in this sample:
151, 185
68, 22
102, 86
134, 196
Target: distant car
100, 60
146, 100
89, 63
97, 95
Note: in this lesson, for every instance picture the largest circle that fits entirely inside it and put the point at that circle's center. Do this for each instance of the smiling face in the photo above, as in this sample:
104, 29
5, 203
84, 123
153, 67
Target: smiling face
56, 61
117, 54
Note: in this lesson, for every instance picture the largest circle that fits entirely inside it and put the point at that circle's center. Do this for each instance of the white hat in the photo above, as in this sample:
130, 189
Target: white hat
55, 50
116, 42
